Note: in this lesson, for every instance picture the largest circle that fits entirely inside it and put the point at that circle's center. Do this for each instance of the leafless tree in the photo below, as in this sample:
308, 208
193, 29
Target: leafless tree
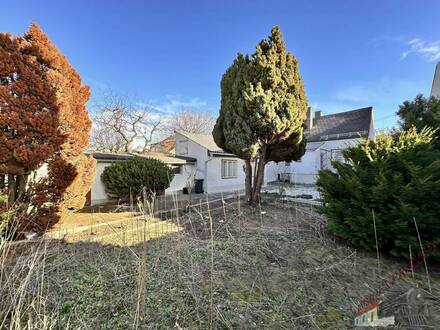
198, 122
103, 139
123, 124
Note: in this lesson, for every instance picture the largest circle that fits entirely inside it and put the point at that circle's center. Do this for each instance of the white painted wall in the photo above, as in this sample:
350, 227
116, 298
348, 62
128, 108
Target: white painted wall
208, 167
215, 182
189, 148
435, 90
181, 180
306, 170
99, 195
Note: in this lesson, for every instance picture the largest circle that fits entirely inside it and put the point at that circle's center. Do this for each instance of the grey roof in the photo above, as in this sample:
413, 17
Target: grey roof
343, 125
168, 159
435, 91
206, 141
312, 146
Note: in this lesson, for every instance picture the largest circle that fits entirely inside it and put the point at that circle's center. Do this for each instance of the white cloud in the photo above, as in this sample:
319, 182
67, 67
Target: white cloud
173, 104
429, 51
95, 84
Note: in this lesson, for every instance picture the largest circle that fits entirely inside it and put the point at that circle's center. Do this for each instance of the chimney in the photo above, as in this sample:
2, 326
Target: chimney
309, 118
317, 114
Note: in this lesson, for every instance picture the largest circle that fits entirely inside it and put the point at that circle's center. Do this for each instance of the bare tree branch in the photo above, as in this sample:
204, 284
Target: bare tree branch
125, 124
192, 121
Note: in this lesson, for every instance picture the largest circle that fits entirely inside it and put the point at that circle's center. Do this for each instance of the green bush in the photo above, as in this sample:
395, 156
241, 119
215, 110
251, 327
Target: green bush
133, 176
397, 176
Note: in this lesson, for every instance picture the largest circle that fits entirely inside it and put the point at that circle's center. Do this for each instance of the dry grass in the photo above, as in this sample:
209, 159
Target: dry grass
270, 267
90, 218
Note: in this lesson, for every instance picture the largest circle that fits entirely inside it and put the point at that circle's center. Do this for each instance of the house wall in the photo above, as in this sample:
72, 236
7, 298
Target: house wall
272, 170
216, 183
208, 167
181, 180
193, 150
435, 90
306, 170
98, 193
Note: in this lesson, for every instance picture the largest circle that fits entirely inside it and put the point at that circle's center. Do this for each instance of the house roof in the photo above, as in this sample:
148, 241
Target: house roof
435, 90
206, 141
166, 145
343, 125
312, 146
166, 158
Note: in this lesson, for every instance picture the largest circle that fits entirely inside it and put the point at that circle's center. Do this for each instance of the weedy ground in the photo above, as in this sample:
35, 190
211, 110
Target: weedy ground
218, 265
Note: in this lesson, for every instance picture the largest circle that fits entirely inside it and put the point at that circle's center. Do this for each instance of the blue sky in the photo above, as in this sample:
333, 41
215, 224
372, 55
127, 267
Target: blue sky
172, 54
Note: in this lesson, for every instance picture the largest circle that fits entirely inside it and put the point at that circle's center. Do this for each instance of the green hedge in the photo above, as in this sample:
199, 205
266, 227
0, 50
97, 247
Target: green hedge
133, 176
398, 177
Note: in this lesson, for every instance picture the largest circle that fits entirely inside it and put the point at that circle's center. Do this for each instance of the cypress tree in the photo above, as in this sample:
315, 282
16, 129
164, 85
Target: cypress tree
263, 110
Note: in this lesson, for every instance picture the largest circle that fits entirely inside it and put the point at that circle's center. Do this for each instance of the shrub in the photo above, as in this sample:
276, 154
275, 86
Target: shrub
397, 176
133, 176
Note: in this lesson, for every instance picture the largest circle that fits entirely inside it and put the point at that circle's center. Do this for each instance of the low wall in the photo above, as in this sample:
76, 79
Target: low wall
299, 178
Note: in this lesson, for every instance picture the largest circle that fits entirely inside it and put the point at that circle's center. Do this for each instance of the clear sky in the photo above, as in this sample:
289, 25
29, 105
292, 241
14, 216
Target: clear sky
172, 54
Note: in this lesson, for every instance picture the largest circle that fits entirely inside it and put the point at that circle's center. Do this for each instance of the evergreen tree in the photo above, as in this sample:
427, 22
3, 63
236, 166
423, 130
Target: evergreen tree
263, 110
29, 114
420, 113
397, 177
75, 170
133, 177
43, 120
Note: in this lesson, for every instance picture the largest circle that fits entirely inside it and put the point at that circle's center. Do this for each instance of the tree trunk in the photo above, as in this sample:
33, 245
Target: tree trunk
2, 181
248, 180
21, 187
17, 185
12, 190
259, 178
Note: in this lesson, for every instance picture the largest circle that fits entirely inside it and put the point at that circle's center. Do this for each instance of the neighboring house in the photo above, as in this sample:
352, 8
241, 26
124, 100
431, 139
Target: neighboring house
435, 91
219, 170
326, 136
166, 145
183, 167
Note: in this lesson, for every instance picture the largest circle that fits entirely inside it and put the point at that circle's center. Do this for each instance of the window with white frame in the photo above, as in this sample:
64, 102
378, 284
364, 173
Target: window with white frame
229, 168
183, 147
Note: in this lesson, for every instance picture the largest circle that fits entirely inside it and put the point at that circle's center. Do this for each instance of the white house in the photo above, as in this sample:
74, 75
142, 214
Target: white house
219, 170
435, 91
184, 169
326, 136
197, 157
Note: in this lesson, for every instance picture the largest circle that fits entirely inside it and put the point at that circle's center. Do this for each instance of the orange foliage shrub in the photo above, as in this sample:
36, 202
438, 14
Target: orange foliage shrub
63, 126
29, 112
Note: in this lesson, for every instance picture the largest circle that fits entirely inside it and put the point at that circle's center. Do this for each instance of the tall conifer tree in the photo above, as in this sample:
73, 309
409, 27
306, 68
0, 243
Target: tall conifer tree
70, 172
29, 115
43, 119
263, 110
